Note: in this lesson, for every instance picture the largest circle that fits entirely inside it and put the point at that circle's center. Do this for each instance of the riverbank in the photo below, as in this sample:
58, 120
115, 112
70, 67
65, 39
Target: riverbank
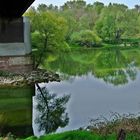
125, 127
36, 76
77, 135
105, 46
83, 135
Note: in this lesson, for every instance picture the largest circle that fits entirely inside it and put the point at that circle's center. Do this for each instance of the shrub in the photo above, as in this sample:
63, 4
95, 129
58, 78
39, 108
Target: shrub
86, 38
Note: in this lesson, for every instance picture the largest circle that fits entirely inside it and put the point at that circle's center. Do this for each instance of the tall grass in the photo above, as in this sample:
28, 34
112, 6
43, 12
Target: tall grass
130, 123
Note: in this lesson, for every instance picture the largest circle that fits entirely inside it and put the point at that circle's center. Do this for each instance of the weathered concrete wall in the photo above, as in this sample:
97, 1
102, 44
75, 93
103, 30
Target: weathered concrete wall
11, 30
27, 36
15, 46
16, 64
11, 47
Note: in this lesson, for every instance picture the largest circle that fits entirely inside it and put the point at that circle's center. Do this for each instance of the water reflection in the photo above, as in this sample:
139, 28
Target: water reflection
16, 107
16, 111
51, 111
91, 98
114, 66
98, 81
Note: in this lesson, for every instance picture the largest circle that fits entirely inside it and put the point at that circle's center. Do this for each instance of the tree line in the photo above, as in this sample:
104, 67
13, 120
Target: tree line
77, 23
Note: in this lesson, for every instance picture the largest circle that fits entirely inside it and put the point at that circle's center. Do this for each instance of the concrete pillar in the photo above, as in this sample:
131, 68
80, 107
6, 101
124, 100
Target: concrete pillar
15, 46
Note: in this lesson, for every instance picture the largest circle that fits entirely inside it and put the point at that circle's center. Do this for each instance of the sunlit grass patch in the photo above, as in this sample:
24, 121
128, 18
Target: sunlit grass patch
82, 135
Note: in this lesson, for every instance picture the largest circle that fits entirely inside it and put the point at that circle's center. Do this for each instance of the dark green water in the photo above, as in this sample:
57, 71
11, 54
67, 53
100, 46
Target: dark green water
99, 82
16, 111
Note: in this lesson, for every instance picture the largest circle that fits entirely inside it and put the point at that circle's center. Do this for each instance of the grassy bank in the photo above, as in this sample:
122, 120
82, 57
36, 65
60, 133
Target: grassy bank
102, 129
98, 130
82, 135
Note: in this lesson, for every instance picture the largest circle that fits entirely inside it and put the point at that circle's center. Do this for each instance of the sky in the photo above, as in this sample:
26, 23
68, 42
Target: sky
129, 3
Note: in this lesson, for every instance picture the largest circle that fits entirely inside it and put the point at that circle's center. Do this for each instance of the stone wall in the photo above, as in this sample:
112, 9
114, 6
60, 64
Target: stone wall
16, 64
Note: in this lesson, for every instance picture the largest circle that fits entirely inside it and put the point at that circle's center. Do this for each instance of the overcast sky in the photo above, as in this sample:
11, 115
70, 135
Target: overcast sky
129, 3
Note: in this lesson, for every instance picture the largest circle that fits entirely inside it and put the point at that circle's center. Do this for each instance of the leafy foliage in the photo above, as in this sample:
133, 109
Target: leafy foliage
76, 22
112, 65
48, 33
86, 38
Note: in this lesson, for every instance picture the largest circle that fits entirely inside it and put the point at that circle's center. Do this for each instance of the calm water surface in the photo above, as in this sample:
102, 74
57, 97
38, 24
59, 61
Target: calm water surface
99, 82
91, 98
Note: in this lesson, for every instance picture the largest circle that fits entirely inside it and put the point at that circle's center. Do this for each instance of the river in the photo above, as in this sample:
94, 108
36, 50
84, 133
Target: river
98, 81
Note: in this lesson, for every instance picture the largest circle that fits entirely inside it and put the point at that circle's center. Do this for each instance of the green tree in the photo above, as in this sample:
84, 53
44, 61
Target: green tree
106, 27
73, 11
75, 4
48, 33
51, 110
86, 38
110, 25
42, 7
137, 8
89, 18
54, 28
132, 24
71, 23
98, 6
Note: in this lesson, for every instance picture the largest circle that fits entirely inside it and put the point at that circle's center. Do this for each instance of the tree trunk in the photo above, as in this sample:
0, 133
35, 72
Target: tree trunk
47, 104
42, 53
121, 135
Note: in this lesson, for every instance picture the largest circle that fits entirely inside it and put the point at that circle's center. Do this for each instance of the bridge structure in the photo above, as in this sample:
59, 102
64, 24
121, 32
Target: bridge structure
15, 56
15, 42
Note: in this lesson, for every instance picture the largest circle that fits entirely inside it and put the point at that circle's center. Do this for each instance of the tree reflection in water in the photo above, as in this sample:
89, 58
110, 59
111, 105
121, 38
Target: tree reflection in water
113, 65
115, 68
52, 110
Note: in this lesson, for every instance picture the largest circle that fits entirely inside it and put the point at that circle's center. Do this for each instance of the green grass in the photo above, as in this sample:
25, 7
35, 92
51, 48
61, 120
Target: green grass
82, 135
71, 135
